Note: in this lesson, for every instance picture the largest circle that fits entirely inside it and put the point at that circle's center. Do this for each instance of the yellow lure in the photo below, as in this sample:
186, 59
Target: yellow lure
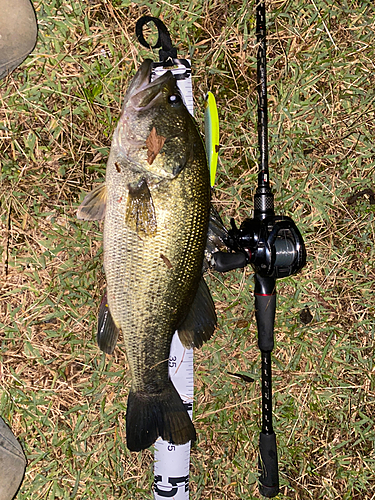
211, 128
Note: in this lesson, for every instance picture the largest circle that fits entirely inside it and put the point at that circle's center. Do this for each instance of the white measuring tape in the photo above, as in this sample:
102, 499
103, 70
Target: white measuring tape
172, 462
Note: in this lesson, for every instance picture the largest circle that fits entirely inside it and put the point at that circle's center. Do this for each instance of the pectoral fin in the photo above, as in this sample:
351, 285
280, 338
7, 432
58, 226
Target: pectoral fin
107, 330
93, 206
140, 213
201, 320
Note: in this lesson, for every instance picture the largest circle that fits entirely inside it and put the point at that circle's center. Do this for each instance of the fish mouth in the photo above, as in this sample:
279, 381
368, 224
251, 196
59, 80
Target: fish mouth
142, 93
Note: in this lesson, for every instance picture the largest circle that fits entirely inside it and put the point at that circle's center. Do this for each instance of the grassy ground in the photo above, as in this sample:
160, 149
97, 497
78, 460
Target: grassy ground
63, 398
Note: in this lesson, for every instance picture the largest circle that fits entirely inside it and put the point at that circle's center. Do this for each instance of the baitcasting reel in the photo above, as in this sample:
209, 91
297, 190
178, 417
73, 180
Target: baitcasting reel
273, 246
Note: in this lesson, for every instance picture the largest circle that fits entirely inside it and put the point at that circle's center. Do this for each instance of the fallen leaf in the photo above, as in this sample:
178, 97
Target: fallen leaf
154, 143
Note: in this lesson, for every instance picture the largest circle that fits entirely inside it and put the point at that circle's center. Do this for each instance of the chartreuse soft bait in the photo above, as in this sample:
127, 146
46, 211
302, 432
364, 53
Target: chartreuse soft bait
211, 128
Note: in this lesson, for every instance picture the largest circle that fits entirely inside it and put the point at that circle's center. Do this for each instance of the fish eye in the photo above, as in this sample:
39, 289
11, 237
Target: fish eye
174, 99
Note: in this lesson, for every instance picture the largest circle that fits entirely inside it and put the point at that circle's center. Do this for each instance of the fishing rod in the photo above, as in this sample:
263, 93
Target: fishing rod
274, 247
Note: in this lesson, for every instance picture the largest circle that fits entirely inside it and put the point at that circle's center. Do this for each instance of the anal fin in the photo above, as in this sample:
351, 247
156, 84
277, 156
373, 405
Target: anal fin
108, 332
200, 322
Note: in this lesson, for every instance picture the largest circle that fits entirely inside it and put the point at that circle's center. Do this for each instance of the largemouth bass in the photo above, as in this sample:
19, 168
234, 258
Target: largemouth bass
155, 203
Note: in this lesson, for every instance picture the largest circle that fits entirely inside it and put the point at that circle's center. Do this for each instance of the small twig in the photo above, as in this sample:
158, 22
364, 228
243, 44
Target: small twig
354, 197
8, 227
325, 26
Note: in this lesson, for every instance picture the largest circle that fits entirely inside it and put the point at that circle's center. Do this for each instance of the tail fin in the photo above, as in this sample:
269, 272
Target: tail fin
149, 416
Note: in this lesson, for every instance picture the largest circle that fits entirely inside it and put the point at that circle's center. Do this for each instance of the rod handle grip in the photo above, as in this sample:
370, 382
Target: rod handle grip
268, 466
265, 308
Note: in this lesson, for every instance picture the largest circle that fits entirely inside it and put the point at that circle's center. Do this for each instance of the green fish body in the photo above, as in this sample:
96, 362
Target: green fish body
155, 203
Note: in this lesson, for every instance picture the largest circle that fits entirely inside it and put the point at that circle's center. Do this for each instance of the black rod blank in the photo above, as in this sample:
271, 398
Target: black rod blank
262, 89
263, 199
265, 287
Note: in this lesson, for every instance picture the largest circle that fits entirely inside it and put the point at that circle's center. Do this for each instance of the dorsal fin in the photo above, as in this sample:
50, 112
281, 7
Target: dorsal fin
200, 323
